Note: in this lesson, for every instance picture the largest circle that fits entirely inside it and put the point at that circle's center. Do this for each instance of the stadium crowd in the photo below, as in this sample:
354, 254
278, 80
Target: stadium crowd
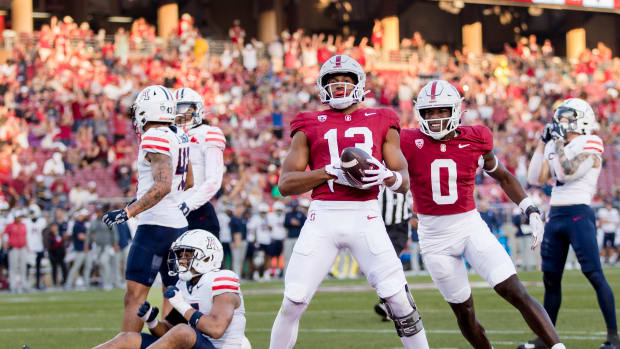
67, 149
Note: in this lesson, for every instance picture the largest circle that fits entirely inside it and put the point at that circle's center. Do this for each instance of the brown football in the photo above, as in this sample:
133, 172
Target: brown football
354, 161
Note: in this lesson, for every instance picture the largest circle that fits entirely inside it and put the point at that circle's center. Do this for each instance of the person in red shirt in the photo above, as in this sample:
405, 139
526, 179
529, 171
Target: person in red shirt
14, 239
342, 216
443, 158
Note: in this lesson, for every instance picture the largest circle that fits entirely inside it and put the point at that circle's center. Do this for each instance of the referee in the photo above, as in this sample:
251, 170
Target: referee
396, 211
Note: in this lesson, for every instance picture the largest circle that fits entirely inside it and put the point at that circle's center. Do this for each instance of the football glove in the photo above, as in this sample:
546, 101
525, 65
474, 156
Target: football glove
536, 224
184, 209
112, 218
381, 173
336, 171
176, 299
546, 133
148, 314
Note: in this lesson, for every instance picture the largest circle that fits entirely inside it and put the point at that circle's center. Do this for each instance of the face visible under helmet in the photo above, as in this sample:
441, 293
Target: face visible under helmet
353, 92
153, 104
195, 253
575, 115
187, 98
439, 94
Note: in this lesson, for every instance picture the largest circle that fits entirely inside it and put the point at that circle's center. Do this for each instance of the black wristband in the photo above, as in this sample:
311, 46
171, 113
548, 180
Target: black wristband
194, 319
529, 210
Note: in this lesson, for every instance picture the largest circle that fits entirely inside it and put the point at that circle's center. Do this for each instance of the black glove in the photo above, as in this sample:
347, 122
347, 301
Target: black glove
184, 209
558, 131
546, 133
148, 314
112, 218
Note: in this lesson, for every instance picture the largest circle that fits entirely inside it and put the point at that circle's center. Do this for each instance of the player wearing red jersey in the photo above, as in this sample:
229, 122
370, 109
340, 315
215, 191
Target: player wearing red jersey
443, 158
341, 216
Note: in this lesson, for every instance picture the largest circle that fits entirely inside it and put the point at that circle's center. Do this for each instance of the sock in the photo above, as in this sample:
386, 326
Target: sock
417, 341
553, 294
558, 346
286, 325
605, 297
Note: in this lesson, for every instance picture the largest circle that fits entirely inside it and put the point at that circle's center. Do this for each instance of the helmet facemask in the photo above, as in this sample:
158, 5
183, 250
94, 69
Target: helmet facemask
341, 94
570, 120
446, 124
187, 115
182, 261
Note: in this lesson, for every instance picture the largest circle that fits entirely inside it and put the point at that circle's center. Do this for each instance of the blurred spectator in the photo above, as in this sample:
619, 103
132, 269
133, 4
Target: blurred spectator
15, 241
56, 252
78, 196
35, 224
223, 216
489, 216
106, 245
54, 166
81, 248
92, 195
123, 236
278, 234
609, 220
236, 34
293, 222
525, 257
239, 246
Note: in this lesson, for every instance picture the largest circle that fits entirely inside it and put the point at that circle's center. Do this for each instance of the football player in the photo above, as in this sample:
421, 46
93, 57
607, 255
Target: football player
164, 172
342, 216
206, 154
208, 304
443, 158
572, 157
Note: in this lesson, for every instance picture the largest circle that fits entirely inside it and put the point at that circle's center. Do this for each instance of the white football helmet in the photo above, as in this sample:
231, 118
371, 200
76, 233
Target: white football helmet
186, 98
207, 254
353, 93
579, 114
439, 94
153, 104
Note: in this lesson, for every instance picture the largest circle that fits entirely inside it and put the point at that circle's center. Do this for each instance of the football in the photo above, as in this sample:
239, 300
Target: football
354, 161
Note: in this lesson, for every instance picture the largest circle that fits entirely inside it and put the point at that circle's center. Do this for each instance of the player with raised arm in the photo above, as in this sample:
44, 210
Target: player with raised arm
206, 154
164, 172
343, 216
570, 155
208, 304
443, 158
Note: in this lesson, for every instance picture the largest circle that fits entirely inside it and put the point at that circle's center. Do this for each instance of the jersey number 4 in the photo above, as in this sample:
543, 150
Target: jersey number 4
182, 166
452, 194
332, 141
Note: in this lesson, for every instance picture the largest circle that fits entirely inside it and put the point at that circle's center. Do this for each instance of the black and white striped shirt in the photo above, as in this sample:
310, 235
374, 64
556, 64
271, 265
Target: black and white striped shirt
395, 207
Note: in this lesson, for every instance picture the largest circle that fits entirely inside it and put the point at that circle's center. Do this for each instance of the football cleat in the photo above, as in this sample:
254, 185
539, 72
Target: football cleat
536, 343
382, 311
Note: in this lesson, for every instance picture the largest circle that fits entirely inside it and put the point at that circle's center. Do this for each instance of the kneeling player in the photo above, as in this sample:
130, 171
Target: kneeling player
209, 311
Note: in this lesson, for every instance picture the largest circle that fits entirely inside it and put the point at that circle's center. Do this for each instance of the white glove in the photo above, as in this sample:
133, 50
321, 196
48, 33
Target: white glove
538, 229
176, 300
336, 171
380, 174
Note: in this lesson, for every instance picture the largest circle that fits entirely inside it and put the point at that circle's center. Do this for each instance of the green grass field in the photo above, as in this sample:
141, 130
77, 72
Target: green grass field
335, 319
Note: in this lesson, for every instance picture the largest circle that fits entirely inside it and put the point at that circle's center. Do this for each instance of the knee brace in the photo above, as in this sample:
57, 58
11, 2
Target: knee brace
408, 325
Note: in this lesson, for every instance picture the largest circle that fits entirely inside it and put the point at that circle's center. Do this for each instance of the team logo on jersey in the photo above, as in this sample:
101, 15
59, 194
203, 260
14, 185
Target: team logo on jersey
442, 148
419, 143
347, 117
322, 118
312, 217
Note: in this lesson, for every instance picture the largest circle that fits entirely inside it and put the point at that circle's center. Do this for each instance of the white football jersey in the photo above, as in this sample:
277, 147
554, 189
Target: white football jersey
175, 144
200, 297
580, 190
207, 144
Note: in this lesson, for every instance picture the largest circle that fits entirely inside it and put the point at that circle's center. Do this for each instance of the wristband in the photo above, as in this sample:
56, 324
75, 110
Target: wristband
398, 182
494, 167
152, 324
525, 204
182, 308
193, 321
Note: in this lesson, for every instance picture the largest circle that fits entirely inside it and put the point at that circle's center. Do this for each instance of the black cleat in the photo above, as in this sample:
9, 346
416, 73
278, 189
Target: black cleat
536, 343
607, 345
382, 311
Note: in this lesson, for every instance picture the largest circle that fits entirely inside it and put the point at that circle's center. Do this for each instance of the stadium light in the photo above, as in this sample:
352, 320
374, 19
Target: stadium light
40, 15
535, 11
120, 19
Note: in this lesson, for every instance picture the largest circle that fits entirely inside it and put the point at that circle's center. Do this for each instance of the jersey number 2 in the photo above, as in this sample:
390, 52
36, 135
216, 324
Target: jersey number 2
182, 166
452, 194
332, 141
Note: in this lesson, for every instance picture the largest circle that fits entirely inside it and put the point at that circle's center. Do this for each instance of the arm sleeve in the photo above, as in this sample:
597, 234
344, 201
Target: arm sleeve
155, 141
214, 170
215, 138
533, 172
